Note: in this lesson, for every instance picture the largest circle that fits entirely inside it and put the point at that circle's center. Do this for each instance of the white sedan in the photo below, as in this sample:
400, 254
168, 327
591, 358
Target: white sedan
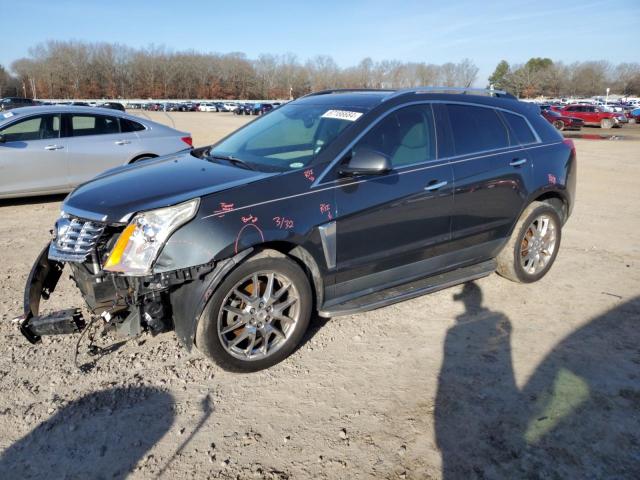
52, 149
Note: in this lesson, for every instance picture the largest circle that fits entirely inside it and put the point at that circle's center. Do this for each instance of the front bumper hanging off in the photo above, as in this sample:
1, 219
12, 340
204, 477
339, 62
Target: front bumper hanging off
41, 283
159, 302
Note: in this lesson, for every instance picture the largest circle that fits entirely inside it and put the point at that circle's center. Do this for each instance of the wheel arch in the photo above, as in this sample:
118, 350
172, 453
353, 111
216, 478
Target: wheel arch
557, 200
142, 155
305, 260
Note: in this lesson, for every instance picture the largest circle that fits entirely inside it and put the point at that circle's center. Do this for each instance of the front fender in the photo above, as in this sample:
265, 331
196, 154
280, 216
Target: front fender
282, 208
188, 300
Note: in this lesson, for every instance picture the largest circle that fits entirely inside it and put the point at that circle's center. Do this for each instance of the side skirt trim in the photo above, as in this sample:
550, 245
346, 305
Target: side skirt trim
410, 290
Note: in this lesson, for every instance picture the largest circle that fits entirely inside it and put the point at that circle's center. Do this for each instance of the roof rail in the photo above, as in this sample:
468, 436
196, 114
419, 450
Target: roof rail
346, 90
459, 90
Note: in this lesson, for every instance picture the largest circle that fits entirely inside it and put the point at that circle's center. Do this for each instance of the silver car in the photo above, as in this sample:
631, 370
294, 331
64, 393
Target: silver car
52, 149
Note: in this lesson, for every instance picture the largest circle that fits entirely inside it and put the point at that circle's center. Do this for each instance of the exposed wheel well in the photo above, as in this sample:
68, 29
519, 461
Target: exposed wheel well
557, 201
144, 155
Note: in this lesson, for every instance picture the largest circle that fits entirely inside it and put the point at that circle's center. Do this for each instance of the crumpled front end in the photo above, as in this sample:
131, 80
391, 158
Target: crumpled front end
131, 303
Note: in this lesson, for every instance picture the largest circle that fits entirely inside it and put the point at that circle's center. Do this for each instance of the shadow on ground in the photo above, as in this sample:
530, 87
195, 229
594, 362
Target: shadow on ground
101, 435
578, 416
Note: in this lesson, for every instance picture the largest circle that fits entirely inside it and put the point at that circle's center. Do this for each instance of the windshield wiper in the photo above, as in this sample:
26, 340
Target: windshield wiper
234, 160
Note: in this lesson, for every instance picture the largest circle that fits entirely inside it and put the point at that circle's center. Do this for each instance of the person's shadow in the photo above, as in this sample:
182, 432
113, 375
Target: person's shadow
577, 417
102, 435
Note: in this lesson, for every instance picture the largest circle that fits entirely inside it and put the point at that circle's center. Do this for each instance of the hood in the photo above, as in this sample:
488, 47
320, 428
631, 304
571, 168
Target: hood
115, 194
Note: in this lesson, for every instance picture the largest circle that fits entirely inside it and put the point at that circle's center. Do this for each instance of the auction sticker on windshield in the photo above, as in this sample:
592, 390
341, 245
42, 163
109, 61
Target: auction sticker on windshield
8, 114
342, 115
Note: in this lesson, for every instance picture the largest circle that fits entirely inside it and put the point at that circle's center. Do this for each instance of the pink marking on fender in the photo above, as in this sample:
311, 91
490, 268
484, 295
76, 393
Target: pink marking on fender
308, 174
243, 229
249, 219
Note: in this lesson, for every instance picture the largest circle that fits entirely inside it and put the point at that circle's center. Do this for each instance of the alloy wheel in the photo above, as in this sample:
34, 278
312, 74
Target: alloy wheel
258, 315
538, 244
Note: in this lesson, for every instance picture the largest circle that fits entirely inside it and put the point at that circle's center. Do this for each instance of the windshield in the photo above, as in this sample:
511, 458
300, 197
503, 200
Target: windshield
288, 137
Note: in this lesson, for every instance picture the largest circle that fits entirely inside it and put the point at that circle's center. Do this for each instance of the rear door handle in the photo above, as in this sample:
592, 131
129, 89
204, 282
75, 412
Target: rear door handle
123, 142
54, 147
435, 186
516, 162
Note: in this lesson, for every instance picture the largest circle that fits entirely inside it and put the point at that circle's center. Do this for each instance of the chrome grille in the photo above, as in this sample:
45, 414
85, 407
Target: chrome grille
74, 239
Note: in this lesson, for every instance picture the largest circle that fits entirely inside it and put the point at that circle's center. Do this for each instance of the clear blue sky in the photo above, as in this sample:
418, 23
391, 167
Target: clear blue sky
432, 31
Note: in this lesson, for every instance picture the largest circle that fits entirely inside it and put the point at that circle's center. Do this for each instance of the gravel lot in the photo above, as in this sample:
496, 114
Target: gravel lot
489, 380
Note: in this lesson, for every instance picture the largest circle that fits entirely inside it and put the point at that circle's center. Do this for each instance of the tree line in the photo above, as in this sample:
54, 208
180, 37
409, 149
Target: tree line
75, 69
543, 76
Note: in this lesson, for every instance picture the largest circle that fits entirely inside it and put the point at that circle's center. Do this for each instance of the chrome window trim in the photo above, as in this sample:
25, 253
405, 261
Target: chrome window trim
427, 102
334, 183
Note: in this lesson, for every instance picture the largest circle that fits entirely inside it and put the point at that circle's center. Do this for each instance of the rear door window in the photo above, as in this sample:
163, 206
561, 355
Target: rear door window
83, 125
476, 129
520, 128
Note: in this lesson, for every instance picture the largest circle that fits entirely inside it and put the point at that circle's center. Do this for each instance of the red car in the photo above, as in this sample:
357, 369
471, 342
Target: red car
562, 122
593, 116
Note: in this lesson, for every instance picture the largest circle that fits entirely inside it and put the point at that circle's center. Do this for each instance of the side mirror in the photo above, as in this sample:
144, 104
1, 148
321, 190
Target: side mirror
366, 161
3, 139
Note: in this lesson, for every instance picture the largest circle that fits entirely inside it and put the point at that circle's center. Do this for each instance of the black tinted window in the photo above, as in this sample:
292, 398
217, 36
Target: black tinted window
82, 125
127, 126
476, 129
520, 128
406, 136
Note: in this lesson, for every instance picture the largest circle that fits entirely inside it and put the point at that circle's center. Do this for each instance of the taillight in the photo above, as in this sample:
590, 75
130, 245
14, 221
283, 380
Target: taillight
188, 141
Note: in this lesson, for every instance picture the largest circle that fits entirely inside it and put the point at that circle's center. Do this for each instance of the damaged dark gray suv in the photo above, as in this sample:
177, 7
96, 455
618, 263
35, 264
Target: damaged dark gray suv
336, 203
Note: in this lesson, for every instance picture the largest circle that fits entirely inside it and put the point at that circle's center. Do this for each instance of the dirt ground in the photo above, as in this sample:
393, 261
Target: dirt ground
488, 380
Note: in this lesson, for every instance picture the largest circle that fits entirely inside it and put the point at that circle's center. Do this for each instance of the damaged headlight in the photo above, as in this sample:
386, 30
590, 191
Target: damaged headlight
139, 243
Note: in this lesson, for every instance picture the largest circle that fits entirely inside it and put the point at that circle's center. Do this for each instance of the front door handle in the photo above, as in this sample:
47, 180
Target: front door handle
516, 162
54, 147
435, 186
123, 142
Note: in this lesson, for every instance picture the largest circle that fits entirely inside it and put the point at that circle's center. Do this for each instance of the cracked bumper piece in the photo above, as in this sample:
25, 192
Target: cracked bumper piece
41, 283
130, 304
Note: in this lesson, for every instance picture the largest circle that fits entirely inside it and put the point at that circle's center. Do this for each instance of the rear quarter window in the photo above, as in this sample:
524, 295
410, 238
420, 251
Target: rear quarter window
520, 128
476, 129
127, 126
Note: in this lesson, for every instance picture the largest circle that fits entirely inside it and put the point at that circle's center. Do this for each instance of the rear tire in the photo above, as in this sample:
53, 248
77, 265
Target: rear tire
257, 315
533, 245
559, 124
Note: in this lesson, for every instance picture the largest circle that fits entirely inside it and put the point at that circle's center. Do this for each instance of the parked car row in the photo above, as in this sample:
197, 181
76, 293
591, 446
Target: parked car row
247, 108
10, 103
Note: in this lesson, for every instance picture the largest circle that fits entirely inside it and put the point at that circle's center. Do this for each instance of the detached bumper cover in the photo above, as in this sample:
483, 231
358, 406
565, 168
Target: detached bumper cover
41, 283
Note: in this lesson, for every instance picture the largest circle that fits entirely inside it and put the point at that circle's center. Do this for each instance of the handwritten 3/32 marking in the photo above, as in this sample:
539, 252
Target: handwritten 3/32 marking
283, 223
308, 174
249, 219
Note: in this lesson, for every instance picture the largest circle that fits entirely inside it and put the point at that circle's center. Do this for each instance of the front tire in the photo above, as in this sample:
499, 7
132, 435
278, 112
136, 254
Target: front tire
533, 245
606, 123
257, 315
